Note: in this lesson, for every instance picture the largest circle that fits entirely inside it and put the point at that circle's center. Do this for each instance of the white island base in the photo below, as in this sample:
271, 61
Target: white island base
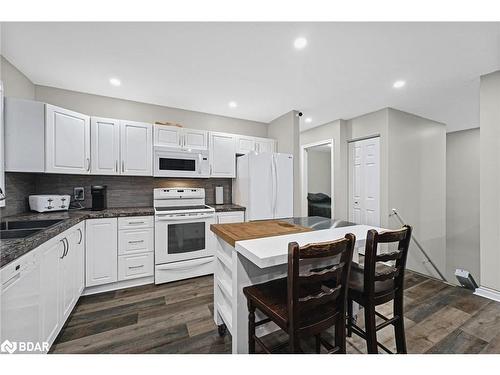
256, 261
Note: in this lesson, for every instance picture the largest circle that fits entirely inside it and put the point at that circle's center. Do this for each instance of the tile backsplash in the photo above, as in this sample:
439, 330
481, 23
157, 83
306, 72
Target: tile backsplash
123, 191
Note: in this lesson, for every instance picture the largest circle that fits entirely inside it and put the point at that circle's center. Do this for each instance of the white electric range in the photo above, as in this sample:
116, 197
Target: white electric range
184, 244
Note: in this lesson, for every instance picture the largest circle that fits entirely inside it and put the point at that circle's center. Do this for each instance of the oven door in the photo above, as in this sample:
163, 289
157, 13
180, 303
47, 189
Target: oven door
183, 237
179, 164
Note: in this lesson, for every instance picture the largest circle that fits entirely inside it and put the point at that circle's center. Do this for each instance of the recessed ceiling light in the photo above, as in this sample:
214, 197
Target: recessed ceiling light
232, 104
300, 43
115, 81
308, 120
399, 84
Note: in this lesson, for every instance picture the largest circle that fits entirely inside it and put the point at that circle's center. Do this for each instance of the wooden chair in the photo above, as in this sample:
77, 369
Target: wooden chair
302, 304
377, 283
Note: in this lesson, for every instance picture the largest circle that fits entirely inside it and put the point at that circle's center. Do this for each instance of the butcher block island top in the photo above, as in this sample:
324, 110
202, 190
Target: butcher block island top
231, 233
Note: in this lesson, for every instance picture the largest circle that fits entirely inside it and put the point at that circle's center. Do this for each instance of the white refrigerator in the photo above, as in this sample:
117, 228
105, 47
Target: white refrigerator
264, 185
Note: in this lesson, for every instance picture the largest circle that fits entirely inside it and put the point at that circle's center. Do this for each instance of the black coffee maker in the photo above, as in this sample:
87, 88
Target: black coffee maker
99, 201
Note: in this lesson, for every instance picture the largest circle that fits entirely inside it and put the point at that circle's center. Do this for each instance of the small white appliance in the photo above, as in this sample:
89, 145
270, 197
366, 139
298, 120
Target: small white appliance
264, 185
219, 195
172, 162
184, 244
47, 203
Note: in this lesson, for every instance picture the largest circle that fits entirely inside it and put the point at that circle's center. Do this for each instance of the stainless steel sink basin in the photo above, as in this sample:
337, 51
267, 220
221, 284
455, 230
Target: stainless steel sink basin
22, 229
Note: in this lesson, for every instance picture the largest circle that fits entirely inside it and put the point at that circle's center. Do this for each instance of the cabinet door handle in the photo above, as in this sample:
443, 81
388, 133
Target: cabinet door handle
67, 248
88, 164
136, 241
135, 222
123, 165
133, 267
116, 166
81, 236
64, 248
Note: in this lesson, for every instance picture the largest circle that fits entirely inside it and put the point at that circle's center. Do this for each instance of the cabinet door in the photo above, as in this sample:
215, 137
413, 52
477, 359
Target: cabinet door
230, 217
195, 139
244, 145
105, 146
136, 148
51, 319
222, 155
101, 237
169, 136
67, 141
265, 145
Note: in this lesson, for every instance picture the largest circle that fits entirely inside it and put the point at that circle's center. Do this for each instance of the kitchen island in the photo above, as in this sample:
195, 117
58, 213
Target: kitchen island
255, 252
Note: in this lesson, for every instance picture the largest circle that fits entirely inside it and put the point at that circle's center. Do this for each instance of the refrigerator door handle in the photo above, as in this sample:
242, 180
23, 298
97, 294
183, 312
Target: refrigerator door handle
275, 184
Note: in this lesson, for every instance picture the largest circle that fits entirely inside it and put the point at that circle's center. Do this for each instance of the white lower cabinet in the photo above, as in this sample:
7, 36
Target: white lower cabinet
230, 217
101, 264
135, 266
135, 247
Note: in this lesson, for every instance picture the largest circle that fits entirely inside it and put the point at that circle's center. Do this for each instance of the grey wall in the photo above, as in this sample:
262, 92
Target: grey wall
462, 202
18, 186
319, 171
489, 112
285, 129
15, 83
103, 106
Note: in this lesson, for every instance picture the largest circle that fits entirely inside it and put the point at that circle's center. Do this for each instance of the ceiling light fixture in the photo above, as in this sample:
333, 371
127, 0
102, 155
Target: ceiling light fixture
115, 81
309, 120
399, 84
232, 104
300, 43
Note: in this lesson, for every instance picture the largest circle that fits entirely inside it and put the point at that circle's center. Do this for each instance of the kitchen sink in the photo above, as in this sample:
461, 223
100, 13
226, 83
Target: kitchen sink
24, 228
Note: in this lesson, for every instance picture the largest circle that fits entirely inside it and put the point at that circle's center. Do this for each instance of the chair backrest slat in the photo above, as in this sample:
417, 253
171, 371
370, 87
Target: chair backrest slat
395, 272
318, 273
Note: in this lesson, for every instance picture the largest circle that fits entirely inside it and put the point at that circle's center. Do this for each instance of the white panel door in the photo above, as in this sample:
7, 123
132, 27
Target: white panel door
67, 141
105, 146
261, 189
244, 145
364, 181
169, 136
264, 145
283, 166
195, 139
136, 148
222, 155
101, 263
51, 323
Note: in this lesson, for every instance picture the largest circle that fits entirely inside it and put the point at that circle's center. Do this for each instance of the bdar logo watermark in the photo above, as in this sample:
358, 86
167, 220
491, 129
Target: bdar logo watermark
23, 347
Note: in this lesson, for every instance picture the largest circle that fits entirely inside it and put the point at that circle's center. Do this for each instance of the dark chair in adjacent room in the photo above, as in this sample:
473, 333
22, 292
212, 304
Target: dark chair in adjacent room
377, 283
302, 304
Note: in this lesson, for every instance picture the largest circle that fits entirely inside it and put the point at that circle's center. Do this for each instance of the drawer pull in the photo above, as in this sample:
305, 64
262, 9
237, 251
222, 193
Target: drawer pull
136, 241
135, 267
136, 222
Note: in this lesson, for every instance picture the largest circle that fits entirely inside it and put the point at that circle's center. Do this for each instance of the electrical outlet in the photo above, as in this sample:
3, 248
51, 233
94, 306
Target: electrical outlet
79, 193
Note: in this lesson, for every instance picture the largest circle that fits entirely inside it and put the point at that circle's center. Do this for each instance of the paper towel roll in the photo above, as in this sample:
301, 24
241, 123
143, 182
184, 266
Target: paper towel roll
219, 195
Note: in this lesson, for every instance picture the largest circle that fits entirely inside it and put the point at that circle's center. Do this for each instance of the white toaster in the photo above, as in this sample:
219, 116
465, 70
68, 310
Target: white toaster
46, 203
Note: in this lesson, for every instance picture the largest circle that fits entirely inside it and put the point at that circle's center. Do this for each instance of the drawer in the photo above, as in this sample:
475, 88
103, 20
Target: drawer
133, 241
134, 222
134, 266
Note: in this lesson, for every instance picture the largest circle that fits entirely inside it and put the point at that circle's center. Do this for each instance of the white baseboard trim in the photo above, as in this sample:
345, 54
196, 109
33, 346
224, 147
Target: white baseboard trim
118, 285
488, 293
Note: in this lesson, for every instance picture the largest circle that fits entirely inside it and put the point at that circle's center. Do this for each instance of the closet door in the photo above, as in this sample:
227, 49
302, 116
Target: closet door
364, 181
105, 142
67, 141
136, 148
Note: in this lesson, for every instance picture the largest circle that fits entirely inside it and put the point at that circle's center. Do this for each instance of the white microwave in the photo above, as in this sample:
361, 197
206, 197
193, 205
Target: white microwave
170, 162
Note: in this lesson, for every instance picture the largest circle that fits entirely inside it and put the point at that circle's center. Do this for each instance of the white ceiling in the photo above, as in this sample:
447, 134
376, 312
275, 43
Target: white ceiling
347, 69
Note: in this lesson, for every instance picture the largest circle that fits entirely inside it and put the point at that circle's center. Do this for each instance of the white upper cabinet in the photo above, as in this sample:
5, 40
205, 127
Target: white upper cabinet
177, 137
105, 146
136, 148
222, 155
67, 141
246, 144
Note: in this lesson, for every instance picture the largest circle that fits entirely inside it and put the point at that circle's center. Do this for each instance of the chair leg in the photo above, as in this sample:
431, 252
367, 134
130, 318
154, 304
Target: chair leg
293, 345
399, 326
251, 328
350, 317
340, 335
370, 329
318, 343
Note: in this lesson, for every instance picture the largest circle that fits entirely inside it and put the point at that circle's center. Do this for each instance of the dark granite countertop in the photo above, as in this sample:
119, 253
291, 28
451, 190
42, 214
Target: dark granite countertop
229, 207
11, 249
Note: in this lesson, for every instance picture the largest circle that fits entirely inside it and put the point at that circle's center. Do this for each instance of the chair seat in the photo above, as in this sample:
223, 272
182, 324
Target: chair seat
356, 282
271, 299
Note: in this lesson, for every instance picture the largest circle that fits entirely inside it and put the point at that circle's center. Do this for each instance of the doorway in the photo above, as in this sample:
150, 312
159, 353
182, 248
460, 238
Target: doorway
364, 181
317, 179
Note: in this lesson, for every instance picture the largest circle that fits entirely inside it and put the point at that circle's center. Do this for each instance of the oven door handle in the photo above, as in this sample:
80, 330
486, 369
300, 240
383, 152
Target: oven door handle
184, 265
183, 218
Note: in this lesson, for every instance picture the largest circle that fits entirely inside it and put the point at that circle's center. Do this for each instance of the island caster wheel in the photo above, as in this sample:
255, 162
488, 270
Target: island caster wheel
222, 330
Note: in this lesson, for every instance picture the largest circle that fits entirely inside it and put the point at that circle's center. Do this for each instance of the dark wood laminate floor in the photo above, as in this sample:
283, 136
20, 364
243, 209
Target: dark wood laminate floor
178, 318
